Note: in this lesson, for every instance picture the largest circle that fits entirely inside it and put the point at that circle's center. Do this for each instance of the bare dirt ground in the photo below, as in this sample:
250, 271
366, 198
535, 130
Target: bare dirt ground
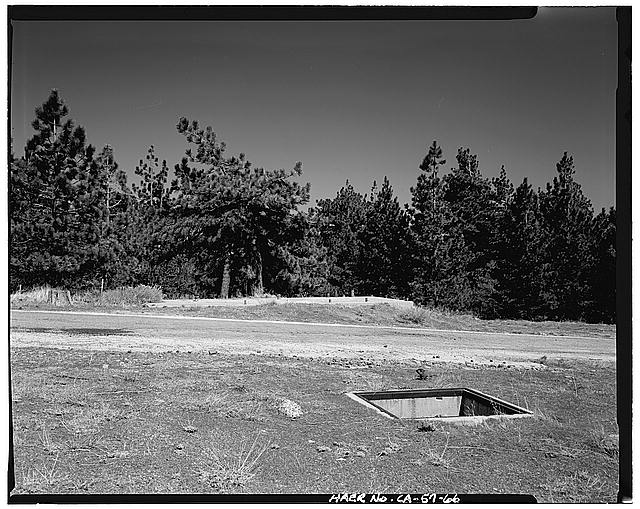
137, 332
134, 403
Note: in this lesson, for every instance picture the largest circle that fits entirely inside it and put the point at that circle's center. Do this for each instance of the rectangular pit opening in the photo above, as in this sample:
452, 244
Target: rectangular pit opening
449, 403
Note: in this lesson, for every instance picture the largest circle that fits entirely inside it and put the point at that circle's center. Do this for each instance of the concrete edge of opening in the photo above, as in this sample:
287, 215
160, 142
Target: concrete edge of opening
472, 420
359, 397
363, 402
525, 412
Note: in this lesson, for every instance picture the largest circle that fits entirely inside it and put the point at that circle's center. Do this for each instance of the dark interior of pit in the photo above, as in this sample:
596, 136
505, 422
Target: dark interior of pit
432, 403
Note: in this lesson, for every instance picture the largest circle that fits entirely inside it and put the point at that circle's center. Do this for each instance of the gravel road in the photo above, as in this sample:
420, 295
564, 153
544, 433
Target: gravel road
169, 333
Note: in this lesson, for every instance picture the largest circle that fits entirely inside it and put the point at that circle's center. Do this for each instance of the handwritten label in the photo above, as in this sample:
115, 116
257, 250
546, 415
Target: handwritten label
405, 498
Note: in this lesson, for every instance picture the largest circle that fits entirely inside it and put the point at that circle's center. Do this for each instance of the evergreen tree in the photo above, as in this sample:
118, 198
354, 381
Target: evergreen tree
224, 227
567, 218
147, 231
232, 214
384, 264
473, 201
301, 268
502, 189
519, 266
602, 281
114, 220
19, 214
439, 245
340, 222
57, 193
152, 192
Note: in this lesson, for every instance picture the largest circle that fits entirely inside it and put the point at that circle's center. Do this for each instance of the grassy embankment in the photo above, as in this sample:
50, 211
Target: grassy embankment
134, 300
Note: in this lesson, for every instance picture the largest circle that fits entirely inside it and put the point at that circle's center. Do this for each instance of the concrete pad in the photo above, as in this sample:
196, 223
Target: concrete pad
257, 301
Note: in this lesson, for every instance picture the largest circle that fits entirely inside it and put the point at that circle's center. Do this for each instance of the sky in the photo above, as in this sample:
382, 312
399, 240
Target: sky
353, 100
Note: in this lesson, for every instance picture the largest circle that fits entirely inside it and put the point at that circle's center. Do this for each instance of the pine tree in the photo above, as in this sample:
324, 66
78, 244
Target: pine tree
439, 245
602, 280
231, 214
152, 192
301, 268
114, 220
384, 263
340, 222
567, 217
474, 202
519, 266
57, 193
502, 189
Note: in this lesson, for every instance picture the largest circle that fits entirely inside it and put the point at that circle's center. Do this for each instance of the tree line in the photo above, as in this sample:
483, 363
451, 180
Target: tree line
222, 227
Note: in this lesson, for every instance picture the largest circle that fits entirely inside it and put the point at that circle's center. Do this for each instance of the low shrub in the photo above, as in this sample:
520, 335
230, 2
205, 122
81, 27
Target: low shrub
434, 317
415, 315
136, 295
125, 296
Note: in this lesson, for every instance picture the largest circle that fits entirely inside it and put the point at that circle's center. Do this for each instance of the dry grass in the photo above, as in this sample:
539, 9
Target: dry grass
446, 380
41, 479
135, 296
580, 487
225, 468
48, 445
222, 403
125, 296
606, 443
42, 295
437, 458
89, 421
432, 317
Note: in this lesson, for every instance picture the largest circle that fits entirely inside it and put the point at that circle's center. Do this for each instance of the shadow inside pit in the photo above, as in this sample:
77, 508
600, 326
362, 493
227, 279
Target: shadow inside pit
78, 331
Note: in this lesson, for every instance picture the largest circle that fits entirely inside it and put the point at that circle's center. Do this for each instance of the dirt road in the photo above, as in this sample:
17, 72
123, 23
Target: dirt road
170, 333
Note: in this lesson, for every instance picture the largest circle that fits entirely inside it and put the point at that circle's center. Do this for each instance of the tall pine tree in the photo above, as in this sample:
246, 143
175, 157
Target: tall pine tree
340, 222
602, 280
567, 215
384, 263
520, 256
114, 220
55, 204
440, 249
232, 215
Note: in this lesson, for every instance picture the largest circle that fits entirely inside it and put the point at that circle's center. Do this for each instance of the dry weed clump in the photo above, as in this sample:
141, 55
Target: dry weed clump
437, 458
417, 315
42, 479
42, 295
223, 470
606, 443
